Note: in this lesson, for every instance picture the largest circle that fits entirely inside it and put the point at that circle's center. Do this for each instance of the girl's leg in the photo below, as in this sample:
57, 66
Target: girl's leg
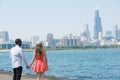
42, 76
38, 75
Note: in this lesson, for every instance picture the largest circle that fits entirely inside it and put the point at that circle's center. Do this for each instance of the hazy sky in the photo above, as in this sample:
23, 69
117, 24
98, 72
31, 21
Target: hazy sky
25, 18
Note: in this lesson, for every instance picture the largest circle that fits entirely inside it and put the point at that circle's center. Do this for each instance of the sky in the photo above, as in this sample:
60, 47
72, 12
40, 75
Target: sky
25, 18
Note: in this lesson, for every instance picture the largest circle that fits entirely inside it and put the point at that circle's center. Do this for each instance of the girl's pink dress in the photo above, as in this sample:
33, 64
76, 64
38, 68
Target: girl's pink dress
40, 64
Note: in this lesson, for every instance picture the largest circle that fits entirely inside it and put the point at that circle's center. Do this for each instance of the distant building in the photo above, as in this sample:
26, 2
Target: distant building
45, 43
1, 39
87, 32
83, 36
9, 45
114, 31
118, 36
108, 35
64, 41
50, 39
70, 41
4, 36
74, 41
56, 42
97, 26
34, 40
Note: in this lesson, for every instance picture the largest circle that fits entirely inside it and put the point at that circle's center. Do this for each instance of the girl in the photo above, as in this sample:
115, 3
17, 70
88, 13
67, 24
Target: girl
40, 62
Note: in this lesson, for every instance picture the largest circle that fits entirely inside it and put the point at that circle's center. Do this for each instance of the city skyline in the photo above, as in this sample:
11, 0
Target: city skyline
28, 18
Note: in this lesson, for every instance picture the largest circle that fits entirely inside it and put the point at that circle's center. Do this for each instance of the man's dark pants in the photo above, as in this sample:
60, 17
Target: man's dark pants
17, 73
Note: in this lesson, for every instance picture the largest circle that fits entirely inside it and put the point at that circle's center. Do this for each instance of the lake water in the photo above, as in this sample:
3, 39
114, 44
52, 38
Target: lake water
76, 64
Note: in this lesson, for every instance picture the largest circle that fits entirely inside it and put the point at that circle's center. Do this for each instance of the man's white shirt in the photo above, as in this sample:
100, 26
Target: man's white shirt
17, 56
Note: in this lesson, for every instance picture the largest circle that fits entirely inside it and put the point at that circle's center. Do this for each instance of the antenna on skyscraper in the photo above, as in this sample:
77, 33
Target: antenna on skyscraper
96, 7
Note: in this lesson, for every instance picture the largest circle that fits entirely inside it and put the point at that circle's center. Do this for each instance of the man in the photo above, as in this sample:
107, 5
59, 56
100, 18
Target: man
17, 56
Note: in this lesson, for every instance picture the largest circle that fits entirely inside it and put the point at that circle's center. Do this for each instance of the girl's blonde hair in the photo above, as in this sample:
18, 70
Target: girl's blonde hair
38, 49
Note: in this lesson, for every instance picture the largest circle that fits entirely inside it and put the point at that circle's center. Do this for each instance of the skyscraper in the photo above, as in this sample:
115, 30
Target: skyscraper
50, 39
87, 32
4, 35
114, 31
97, 26
34, 40
118, 36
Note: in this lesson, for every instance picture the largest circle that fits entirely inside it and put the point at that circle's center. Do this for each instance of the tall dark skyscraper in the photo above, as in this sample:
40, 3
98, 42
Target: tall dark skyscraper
97, 26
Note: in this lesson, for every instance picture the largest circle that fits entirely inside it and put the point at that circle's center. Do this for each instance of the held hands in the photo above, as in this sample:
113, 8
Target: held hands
28, 66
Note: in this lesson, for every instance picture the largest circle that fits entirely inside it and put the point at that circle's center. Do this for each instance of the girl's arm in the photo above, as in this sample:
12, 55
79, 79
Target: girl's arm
45, 56
33, 59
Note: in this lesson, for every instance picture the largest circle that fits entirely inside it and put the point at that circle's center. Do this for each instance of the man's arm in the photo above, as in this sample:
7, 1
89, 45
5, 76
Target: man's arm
23, 57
